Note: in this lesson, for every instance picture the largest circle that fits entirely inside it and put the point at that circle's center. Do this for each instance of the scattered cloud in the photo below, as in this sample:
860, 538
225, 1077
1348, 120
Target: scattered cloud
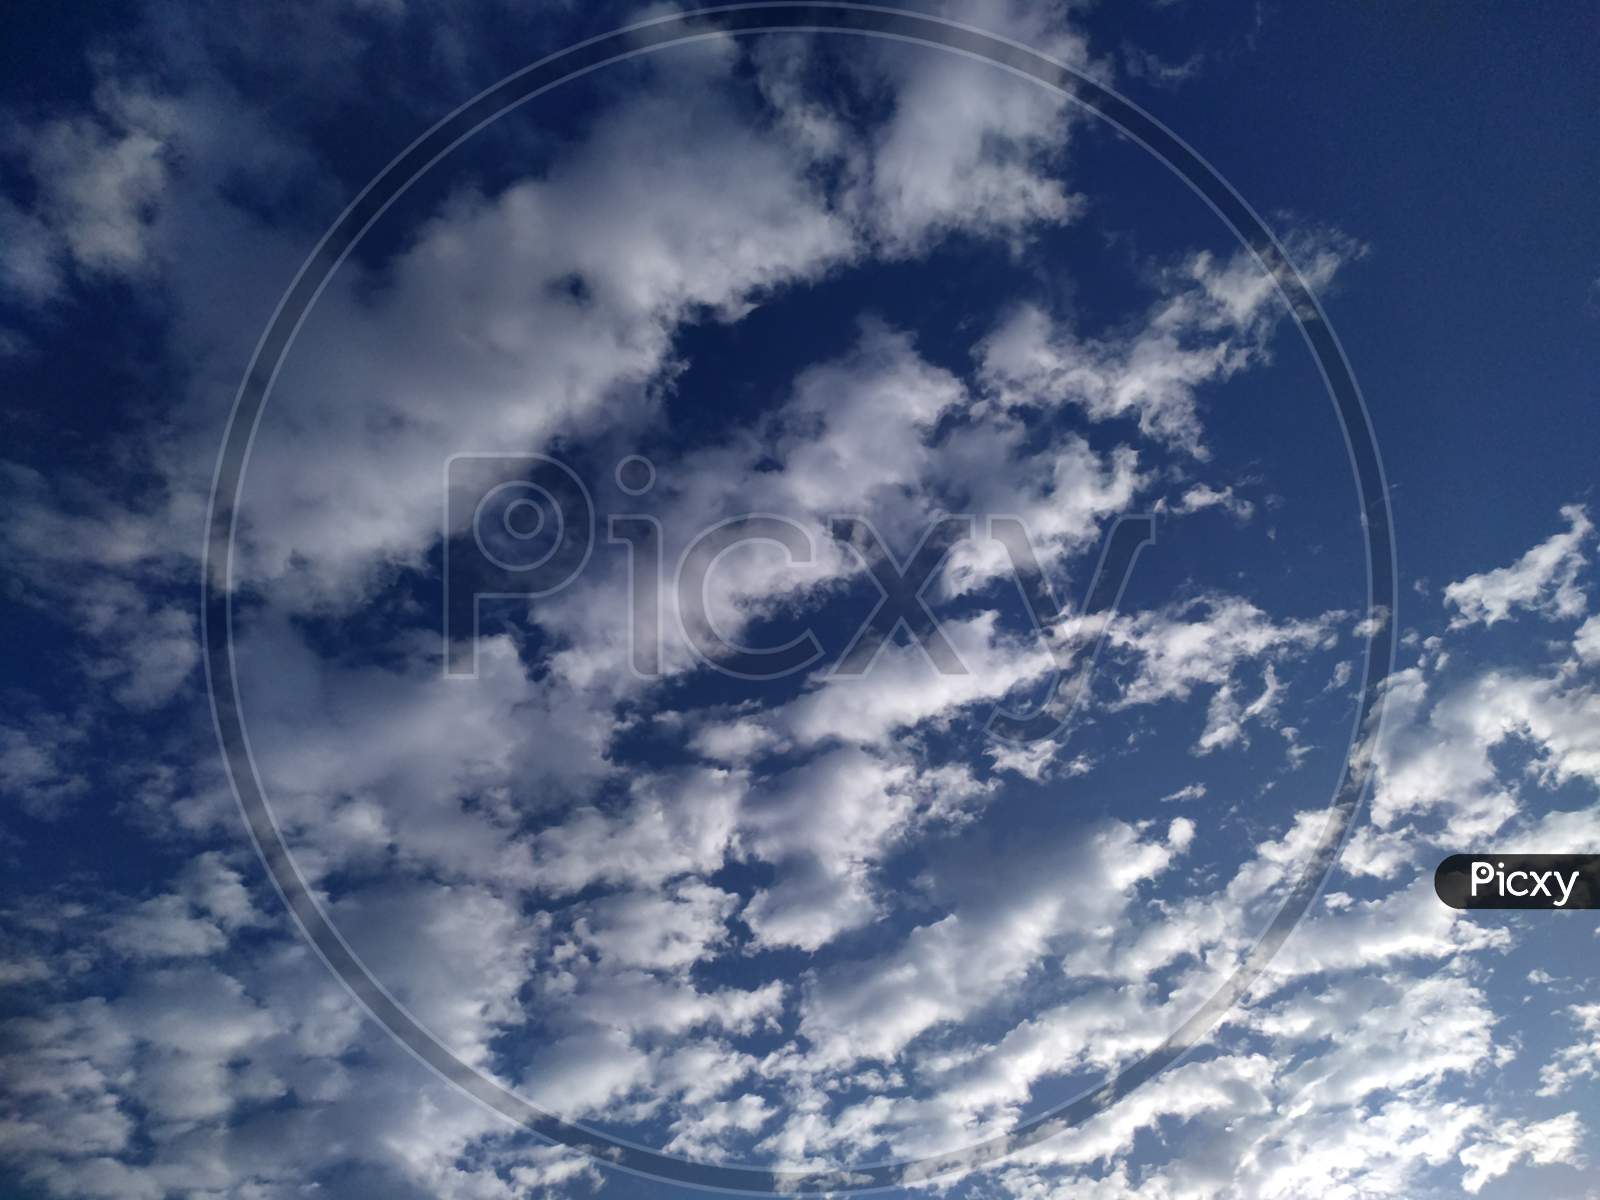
1544, 580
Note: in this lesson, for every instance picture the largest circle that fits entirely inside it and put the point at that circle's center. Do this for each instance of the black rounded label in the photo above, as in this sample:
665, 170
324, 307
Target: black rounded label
1519, 881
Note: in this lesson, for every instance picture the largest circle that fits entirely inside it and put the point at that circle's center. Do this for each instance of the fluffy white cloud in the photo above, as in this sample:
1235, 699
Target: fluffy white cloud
1437, 755
186, 1083
547, 905
35, 767
1554, 1141
826, 826
965, 147
1214, 320
904, 687
1201, 642
668, 930
98, 178
1203, 496
1586, 642
1581, 1059
944, 971
1350, 1094
1544, 580
676, 823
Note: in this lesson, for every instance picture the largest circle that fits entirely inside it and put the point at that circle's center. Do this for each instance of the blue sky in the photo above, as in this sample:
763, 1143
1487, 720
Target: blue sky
817, 920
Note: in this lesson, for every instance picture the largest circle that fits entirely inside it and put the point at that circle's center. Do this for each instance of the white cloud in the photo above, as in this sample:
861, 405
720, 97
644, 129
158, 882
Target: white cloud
162, 652
497, 355
1036, 761
1437, 755
1203, 496
1554, 1141
1226, 717
965, 147
904, 688
1214, 320
1544, 580
677, 823
99, 177
186, 1083
163, 928
1430, 760
1580, 1060
944, 971
1201, 642
435, 819
35, 766
1586, 642
667, 930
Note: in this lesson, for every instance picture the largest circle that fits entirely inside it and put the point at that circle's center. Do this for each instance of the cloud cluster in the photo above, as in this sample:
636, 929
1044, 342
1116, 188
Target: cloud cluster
729, 924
